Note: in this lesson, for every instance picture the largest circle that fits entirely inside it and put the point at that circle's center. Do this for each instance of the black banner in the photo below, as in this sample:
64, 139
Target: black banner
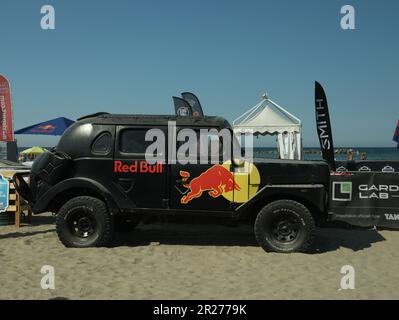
193, 101
365, 199
182, 108
324, 126
368, 166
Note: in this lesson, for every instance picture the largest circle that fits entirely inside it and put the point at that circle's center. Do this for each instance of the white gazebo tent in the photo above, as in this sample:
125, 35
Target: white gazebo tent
267, 117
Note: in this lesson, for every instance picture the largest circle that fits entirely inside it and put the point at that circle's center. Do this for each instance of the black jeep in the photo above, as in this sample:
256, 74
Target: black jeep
98, 179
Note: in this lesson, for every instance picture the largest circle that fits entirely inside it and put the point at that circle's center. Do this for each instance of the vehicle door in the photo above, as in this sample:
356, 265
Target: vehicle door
143, 183
197, 182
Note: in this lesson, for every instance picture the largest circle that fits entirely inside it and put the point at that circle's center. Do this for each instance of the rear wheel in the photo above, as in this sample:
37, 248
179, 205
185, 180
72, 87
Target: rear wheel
84, 222
285, 226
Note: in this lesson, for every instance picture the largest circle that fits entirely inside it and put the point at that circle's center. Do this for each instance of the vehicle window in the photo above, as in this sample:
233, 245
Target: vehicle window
102, 144
204, 144
133, 141
216, 144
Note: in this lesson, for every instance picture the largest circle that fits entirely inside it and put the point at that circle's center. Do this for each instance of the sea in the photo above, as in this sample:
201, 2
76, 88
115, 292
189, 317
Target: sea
340, 153
310, 153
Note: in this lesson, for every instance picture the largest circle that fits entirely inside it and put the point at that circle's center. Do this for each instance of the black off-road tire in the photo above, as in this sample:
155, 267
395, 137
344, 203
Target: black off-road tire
285, 226
84, 222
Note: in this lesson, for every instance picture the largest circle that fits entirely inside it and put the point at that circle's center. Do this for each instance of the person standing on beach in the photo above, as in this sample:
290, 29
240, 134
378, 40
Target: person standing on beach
349, 155
363, 156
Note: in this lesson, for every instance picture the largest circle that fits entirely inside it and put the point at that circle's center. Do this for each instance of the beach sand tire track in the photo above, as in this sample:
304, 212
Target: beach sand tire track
103, 229
277, 215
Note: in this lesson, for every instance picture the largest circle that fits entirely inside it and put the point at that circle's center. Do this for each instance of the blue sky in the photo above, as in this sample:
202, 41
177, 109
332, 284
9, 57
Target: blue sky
133, 56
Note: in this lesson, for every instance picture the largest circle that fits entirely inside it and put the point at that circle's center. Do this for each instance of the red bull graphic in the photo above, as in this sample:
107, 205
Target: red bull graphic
137, 167
47, 127
44, 129
216, 180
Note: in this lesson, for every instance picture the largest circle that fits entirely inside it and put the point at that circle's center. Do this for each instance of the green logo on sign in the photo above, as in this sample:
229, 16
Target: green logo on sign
342, 190
346, 187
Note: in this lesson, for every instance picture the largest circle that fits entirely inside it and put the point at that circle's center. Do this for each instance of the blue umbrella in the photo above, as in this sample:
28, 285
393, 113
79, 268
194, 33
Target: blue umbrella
54, 127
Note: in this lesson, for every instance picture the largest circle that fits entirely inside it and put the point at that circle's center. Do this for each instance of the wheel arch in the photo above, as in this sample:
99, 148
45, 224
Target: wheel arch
316, 205
54, 198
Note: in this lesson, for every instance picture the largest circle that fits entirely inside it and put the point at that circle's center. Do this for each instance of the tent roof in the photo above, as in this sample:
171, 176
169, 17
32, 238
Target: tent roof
267, 117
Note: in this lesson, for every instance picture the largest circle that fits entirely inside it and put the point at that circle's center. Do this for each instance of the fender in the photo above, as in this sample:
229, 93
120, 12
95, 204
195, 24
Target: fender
313, 194
42, 204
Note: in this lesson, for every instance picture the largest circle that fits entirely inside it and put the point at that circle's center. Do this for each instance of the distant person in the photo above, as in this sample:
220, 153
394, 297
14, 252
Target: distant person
349, 155
363, 156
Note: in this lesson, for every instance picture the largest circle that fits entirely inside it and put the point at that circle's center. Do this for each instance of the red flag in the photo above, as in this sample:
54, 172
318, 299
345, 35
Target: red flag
6, 129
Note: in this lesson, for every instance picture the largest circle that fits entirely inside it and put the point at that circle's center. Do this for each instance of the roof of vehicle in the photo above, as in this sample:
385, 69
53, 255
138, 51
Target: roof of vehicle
153, 120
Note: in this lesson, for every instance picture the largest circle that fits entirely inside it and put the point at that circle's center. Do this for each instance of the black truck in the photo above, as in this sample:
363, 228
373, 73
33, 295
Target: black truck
98, 179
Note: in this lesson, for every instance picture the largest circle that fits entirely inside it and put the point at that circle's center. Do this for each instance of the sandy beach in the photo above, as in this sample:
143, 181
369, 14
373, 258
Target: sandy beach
166, 261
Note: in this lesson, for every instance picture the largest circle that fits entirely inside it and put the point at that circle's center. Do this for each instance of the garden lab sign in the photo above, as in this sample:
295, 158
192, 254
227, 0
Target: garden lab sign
342, 191
4, 192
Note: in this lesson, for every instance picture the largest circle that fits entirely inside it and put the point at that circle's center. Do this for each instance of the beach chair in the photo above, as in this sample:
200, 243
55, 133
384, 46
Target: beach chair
18, 206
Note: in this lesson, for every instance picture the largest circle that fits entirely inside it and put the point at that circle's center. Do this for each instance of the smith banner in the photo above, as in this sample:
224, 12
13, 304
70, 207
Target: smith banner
324, 126
6, 129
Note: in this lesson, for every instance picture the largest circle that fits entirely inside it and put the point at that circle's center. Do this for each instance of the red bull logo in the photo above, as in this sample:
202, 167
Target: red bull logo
216, 180
44, 129
47, 127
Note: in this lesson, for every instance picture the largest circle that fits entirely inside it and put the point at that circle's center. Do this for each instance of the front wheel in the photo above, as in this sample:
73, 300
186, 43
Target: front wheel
285, 226
84, 222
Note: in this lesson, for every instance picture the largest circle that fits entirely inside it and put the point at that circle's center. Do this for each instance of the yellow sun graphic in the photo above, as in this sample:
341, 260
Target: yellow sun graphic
247, 177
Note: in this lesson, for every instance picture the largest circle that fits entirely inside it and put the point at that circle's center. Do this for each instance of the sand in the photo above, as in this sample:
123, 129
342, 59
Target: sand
166, 261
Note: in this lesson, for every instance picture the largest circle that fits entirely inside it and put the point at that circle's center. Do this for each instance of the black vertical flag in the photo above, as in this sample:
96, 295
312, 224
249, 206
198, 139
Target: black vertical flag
182, 108
193, 101
323, 125
396, 134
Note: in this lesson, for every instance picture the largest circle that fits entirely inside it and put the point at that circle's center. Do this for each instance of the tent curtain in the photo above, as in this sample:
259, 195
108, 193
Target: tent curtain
298, 140
289, 145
